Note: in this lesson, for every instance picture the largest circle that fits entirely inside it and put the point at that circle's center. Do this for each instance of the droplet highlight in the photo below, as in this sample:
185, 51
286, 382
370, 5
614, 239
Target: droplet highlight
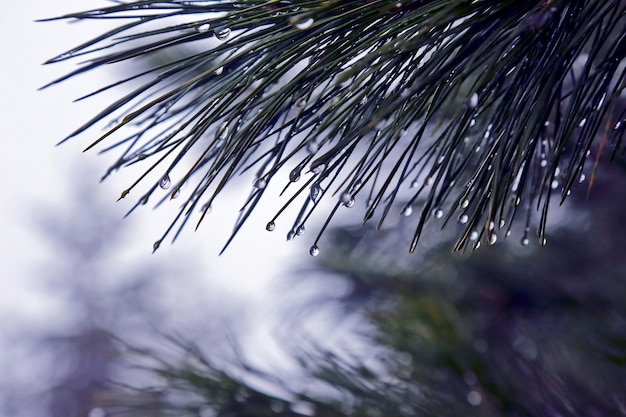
222, 32
165, 182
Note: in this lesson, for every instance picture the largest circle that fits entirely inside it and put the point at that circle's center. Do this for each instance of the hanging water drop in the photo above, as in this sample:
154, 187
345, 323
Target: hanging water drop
465, 203
582, 177
294, 175
222, 132
315, 193
346, 199
314, 251
414, 184
165, 182
301, 102
492, 239
318, 168
260, 183
473, 101
304, 24
502, 223
300, 230
222, 32
438, 213
543, 163
203, 28
554, 185
219, 71
312, 147
473, 235
156, 245
490, 225
463, 219
175, 194
291, 235
525, 241
270, 226
407, 211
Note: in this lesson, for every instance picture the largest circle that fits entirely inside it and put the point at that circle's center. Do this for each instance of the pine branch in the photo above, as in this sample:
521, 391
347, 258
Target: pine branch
476, 112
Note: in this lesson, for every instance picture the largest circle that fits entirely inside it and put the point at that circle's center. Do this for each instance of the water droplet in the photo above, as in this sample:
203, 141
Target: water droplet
554, 185
492, 238
260, 183
543, 163
165, 182
473, 101
156, 245
312, 147
582, 122
291, 235
407, 211
429, 181
617, 125
363, 100
300, 230
582, 178
301, 102
415, 184
294, 175
525, 241
203, 28
438, 213
491, 225
463, 219
315, 193
318, 168
222, 32
472, 122
465, 203
270, 226
175, 194
303, 24
473, 235
502, 223
474, 398
544, 241
222, 132
346, 199
219, 71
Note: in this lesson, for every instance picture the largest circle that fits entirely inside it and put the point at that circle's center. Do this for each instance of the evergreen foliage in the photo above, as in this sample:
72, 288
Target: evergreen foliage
479, 111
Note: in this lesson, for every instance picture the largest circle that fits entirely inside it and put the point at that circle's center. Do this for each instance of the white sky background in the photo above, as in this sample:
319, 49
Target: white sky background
36, 175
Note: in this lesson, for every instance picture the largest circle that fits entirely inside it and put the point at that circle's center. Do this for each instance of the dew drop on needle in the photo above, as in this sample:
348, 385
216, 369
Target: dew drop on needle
165, 182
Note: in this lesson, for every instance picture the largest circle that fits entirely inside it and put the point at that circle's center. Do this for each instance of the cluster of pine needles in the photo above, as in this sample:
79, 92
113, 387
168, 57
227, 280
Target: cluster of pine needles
473, 112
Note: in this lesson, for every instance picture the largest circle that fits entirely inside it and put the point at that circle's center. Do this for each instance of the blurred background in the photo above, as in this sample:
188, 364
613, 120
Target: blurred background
93, 324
